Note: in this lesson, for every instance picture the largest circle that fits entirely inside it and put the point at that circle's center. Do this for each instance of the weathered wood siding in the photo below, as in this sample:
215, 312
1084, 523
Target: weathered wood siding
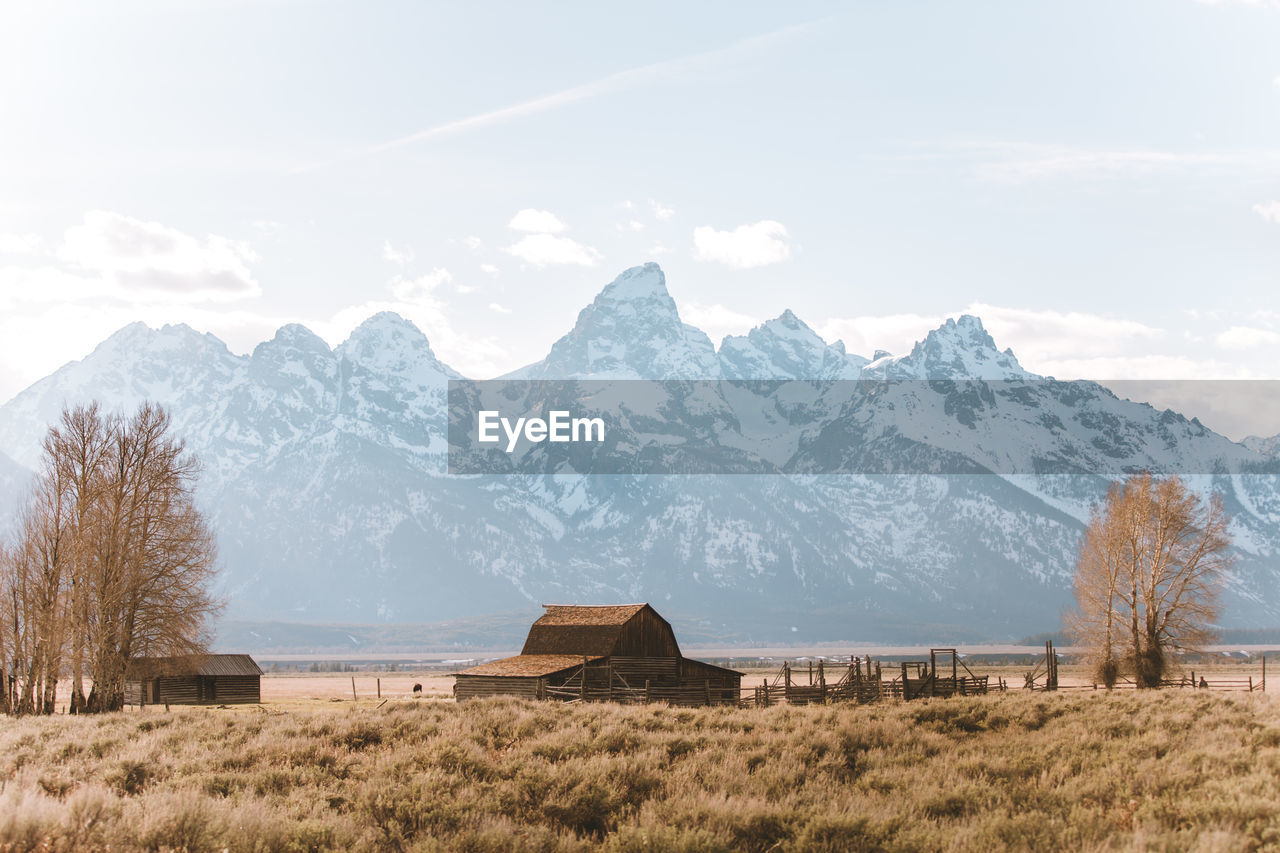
195, 690
476, 686
647, 635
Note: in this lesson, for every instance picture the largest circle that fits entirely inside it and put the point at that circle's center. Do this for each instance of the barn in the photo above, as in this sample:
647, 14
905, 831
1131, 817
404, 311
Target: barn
193, 680
620, 653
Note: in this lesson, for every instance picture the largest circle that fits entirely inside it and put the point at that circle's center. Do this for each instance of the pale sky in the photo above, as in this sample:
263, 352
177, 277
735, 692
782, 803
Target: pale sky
1099, 181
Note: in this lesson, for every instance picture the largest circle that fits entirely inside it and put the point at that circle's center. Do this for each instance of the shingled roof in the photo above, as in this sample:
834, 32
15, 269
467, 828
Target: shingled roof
599, 630
527, 665
180, 665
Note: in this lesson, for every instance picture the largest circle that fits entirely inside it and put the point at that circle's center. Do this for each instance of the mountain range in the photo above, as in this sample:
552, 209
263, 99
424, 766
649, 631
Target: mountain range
324, 473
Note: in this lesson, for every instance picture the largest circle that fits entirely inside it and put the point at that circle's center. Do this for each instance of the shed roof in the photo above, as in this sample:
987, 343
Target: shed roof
192, 665
531, 666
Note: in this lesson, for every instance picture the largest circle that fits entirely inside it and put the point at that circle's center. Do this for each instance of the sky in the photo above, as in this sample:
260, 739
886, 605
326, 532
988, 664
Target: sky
1099, 181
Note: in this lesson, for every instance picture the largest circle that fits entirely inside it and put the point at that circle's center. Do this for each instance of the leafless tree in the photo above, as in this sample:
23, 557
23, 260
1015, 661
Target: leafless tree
113, 559
1152, 562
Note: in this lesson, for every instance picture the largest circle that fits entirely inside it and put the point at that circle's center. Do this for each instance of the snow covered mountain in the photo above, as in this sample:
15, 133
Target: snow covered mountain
325, 478
1264, 446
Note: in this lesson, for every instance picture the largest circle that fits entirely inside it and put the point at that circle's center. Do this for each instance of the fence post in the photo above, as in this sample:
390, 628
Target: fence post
582, 690
647, 694
353, 688
904, 681
379, 687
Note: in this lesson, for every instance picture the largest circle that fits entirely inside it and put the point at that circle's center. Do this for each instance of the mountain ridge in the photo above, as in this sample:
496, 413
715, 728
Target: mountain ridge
325, 475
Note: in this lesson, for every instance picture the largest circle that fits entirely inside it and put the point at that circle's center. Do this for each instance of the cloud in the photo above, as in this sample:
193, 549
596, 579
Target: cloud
1246, 337
139, 257
395, 255
660, 213
658, 249
537, 222
894, 333
717, 320
755, 245
546, 249
110, 256
420, 287
1269, 210
632, 225
490, 269
674, 70
495, 307
19, 244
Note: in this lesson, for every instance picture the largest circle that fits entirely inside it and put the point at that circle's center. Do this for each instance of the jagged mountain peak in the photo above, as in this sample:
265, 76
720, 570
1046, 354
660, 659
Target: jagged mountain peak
631, 330
389, 343
643, 282
786, 348
961, 348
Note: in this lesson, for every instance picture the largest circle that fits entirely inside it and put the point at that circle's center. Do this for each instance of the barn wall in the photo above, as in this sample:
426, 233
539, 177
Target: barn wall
476, 686
647, 635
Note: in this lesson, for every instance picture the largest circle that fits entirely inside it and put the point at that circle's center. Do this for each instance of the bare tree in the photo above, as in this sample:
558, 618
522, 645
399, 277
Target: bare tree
1151, 565
114, 560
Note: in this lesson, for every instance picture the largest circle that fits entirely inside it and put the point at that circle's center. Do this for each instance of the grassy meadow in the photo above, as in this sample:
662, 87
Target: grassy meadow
1173, 770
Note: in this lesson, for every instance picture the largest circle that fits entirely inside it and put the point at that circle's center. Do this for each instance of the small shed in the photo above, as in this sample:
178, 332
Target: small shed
193, 680
621, 653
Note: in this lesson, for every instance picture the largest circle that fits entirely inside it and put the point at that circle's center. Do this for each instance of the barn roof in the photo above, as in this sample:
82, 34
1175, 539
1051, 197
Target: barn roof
587, 629
192, 665
531, 666
588, 614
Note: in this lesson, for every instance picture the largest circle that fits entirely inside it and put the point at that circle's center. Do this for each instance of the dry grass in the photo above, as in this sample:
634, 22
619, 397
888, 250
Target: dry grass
1174, 770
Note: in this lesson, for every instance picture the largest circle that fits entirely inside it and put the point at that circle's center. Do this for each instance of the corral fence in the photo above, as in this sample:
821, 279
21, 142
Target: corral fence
862, 681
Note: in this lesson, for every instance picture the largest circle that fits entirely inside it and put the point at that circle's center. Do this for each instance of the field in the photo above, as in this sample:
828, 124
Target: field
1161, 770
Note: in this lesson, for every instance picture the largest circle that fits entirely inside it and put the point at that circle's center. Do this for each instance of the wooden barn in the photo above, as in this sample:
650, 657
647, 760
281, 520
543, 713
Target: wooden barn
193, 680
619, 653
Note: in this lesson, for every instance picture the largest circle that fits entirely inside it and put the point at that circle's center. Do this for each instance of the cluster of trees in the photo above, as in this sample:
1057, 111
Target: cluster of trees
1151, 566
110, 560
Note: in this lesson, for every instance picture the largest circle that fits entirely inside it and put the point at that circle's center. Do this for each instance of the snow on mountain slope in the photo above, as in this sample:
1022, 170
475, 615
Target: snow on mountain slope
324, 477
631, 331
785, 347
1265, 446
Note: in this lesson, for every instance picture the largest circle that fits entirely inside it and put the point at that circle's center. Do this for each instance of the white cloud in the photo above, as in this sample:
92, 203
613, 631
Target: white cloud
19, 244
1246, 337
632, 225
537, 222
717, 320
1276, 82
396, 256
411, 289
755, 245
490, 269
1269, 210
471, 243
495, 307
661, 213
134, 256
894, 333
658, 249
546, 249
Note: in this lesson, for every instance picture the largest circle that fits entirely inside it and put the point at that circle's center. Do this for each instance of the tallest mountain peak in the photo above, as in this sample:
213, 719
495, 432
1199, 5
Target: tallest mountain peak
646, 281
631, 330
